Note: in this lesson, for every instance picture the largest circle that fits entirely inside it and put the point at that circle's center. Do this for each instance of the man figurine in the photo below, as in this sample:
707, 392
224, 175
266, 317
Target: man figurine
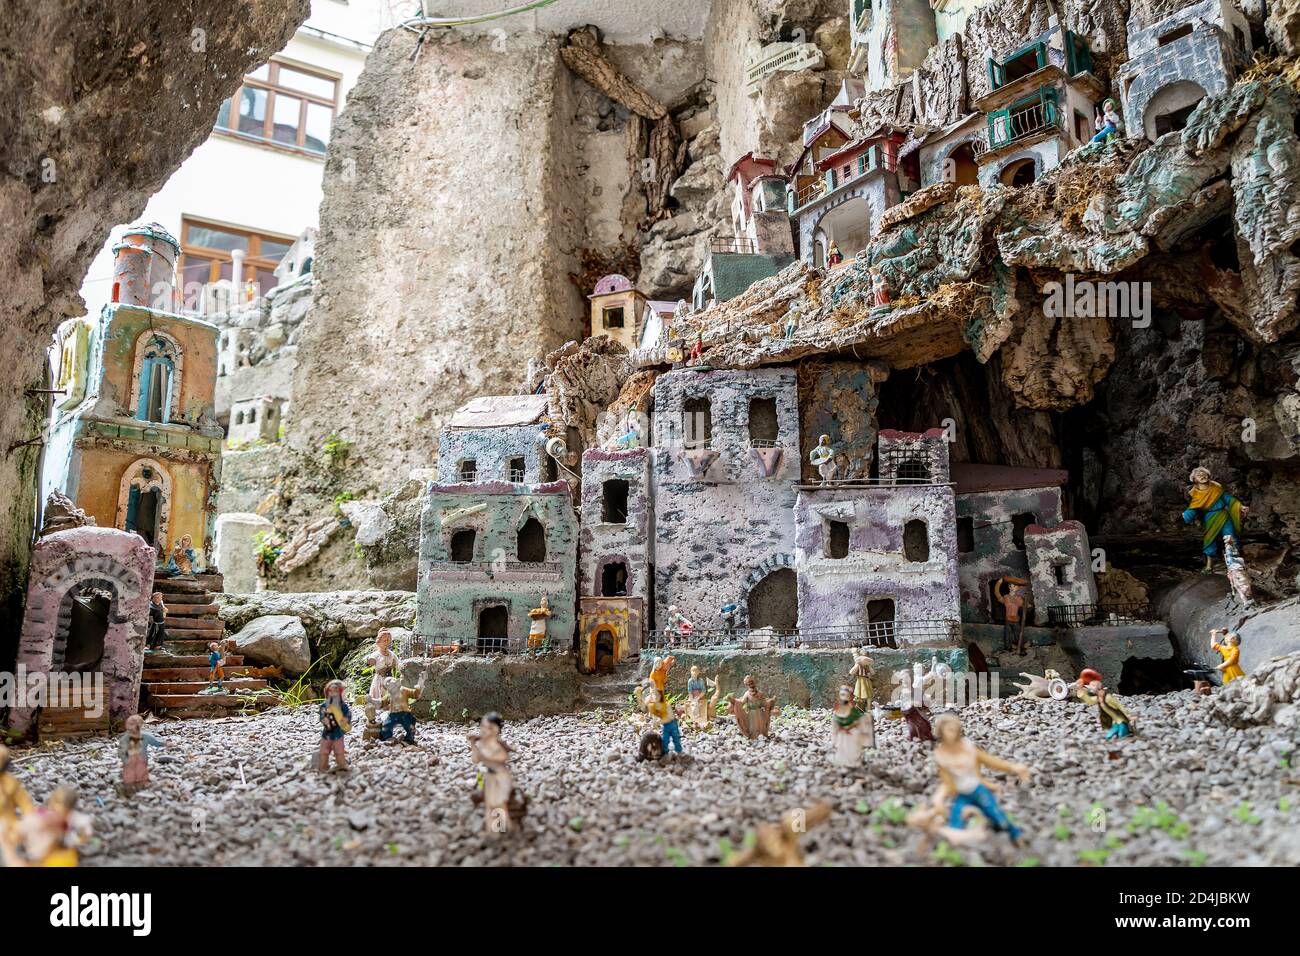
697, 350
961, 764
492, 753
659, 672
216, 668
335, 721
862, 671
133, 747
823, 458
537, 626
399, 708
753, 711
1110, 710
1220, 513
1230, 650
679, 629
666, 715
1108, 122
157, 633
700, 710
1010, 593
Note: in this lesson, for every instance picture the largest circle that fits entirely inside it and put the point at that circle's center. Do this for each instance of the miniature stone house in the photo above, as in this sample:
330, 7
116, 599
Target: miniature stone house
1040, 106
86, 613
912, 457
889, 39
725, 460
1176, 62
300, 258
141, 449
1060, 567
616, 524
948, 154
254, 419
489, 552
496, 438
996, 505
609, 630
617, 310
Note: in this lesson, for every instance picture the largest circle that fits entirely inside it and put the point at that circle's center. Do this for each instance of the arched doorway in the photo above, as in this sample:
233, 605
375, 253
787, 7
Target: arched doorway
774, 601
1021, 172
959, 167
493, 629
1168, 110
87, 609
847, 227
603, 650
143, 502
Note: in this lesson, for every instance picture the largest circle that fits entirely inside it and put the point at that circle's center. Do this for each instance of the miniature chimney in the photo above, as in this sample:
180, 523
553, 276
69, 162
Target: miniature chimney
144, 265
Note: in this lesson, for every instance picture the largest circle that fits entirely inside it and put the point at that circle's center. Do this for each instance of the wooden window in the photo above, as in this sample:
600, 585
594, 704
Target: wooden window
206, 255
284, 105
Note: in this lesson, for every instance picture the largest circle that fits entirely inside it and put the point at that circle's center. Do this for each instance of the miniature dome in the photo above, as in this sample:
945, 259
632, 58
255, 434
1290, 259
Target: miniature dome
612, 283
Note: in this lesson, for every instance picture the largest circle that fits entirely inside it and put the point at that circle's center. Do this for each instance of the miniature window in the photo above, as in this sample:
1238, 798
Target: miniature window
155, 388
530, 543
1175, 34
614, 318
697, 423
1081, 129
468, 470
613, 501
142, 512
880, 619
1021, 173
493, 629
1020, 66
837, 539
1239, 38
763, 425
252, 415
515, 470
1174, 120
916, 541
613, 579
1061, 573
774, 601
913, 470
965, 535
1018, 525
462, 545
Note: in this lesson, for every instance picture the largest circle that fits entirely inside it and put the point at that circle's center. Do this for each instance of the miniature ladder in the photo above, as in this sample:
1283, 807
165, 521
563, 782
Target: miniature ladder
174, 676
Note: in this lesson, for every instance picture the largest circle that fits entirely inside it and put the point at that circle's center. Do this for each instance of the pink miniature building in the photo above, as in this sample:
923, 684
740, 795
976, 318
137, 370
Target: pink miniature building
87, 611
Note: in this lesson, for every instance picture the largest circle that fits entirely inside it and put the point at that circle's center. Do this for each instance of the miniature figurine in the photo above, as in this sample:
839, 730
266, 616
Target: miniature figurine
1012, 593
48, 835
1220, 512
753, 711
833, 255
728, 614
336, 722
659, 672
777, 844
383, 660
1110, 710
133, 747
960, 764
701, 710
823, 459
182, 557
488, 749
399, 708
1230, 650
879, 290
862, 671
13, 797
696, 356
216, 668
537, 618
1238, 576
1049, 686
679, 629
792, 320
629, 439
1108, 122
852, 730
666, 715
157, 633
918, 722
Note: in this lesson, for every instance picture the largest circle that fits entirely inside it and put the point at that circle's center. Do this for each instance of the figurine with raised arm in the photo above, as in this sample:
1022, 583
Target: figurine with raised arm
216, 668
493, 754
852, 730
336, 721
1049, 686
1108, 122
659, 672
399, 701
961, 764
133, 747
1014, 596
822, 457
753, 711
679, 628
1110, 709
13, 797
1230, 650
777, 844
1220, 513
700, 710
862, 671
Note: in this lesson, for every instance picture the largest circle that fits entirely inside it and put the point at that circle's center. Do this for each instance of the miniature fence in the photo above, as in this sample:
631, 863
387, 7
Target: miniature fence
482, 647
820, 188
782, 56
1007, 126
1099, 615
747, 247
873, 634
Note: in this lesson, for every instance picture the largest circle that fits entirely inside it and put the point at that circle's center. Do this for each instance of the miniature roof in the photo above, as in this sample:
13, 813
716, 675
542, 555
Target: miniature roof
851, 90
749, 158
916, 142
970, 478
610, 284
662, 306
499, 411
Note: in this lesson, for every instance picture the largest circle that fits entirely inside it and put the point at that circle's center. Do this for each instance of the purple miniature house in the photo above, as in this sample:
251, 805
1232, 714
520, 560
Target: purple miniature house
87, 611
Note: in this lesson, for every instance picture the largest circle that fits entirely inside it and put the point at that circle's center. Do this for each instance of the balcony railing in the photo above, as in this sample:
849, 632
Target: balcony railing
491, 567
1100, 615
748, 247
1019, 121
516, 476
482, 646
782, 56
829, 182
873, 634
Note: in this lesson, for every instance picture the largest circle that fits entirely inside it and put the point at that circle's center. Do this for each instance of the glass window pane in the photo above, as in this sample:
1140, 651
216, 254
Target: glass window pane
287, 112
306, 83
263, 72
211, 237
319, 119
266, 280
273, 248
223, 116
252, 111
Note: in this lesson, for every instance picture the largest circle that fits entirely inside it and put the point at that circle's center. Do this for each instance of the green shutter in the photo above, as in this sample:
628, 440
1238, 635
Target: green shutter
132, 507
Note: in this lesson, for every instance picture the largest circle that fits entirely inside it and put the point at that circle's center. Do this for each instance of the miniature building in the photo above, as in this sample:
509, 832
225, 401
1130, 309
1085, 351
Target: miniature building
760, 222
996, 505
135, 443
1060, 567
1176, 62
728, 271
86, 613
609, 630
616, 533
617, 310
300, 258
889, 39
724, 464
489, 552
948, 154
496, 438
769, 58
912, 457
1040, 107
254, 419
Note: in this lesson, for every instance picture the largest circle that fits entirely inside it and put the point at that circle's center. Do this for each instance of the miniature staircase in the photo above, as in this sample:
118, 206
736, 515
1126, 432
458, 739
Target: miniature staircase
610, 691
174, 676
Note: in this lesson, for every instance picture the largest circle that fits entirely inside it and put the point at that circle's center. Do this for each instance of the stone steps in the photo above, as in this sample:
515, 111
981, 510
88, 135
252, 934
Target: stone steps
168, 674
235, 685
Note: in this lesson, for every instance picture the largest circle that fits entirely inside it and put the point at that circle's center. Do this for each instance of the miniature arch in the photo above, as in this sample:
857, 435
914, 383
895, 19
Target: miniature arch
159, 480
775, 563
963, 175
151, 346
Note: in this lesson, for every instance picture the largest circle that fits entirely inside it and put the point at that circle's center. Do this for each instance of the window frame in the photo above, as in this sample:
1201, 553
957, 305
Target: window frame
273, 87
254, 260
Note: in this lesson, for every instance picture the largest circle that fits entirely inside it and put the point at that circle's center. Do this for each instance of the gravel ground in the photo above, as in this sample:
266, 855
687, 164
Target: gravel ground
1188, 791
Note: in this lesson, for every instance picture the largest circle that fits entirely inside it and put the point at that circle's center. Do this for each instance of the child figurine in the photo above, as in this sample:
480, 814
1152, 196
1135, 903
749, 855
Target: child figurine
1110, 710
960, 764
1108, 123
399, 708
13, 797
862, 671
701, 710
822, 458
537, 626
335, 721
679, 629
1238, 576
1220, 513
157, 633
753, 711
666, 715
48, 835
216, 668
777, 844
383, 660
1230, 650
133, 747
852, 730
487, 748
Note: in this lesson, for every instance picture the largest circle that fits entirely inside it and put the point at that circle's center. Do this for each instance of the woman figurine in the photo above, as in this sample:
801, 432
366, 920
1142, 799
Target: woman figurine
134, 749
1107, 123
1230, 650
700, 710
960, 764
335, 722
49, 835
1220, 512
852, 730
383, 660
488, 749
753, 711
182, 559
822, 457
862, 671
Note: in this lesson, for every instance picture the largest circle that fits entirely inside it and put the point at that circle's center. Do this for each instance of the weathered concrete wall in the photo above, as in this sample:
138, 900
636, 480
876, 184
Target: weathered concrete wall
468, 687
491, 450
996, 553
630, 542
248, 479
1060, 566
838, 399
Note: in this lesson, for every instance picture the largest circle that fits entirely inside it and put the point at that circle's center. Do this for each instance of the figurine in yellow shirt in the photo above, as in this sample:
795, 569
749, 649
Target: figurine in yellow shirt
1230, 650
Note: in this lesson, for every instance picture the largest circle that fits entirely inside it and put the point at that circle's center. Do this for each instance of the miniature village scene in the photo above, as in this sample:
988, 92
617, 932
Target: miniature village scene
714, 433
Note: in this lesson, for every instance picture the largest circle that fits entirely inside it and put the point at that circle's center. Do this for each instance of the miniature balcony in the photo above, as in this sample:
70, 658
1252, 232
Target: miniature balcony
767, 454
699, 458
